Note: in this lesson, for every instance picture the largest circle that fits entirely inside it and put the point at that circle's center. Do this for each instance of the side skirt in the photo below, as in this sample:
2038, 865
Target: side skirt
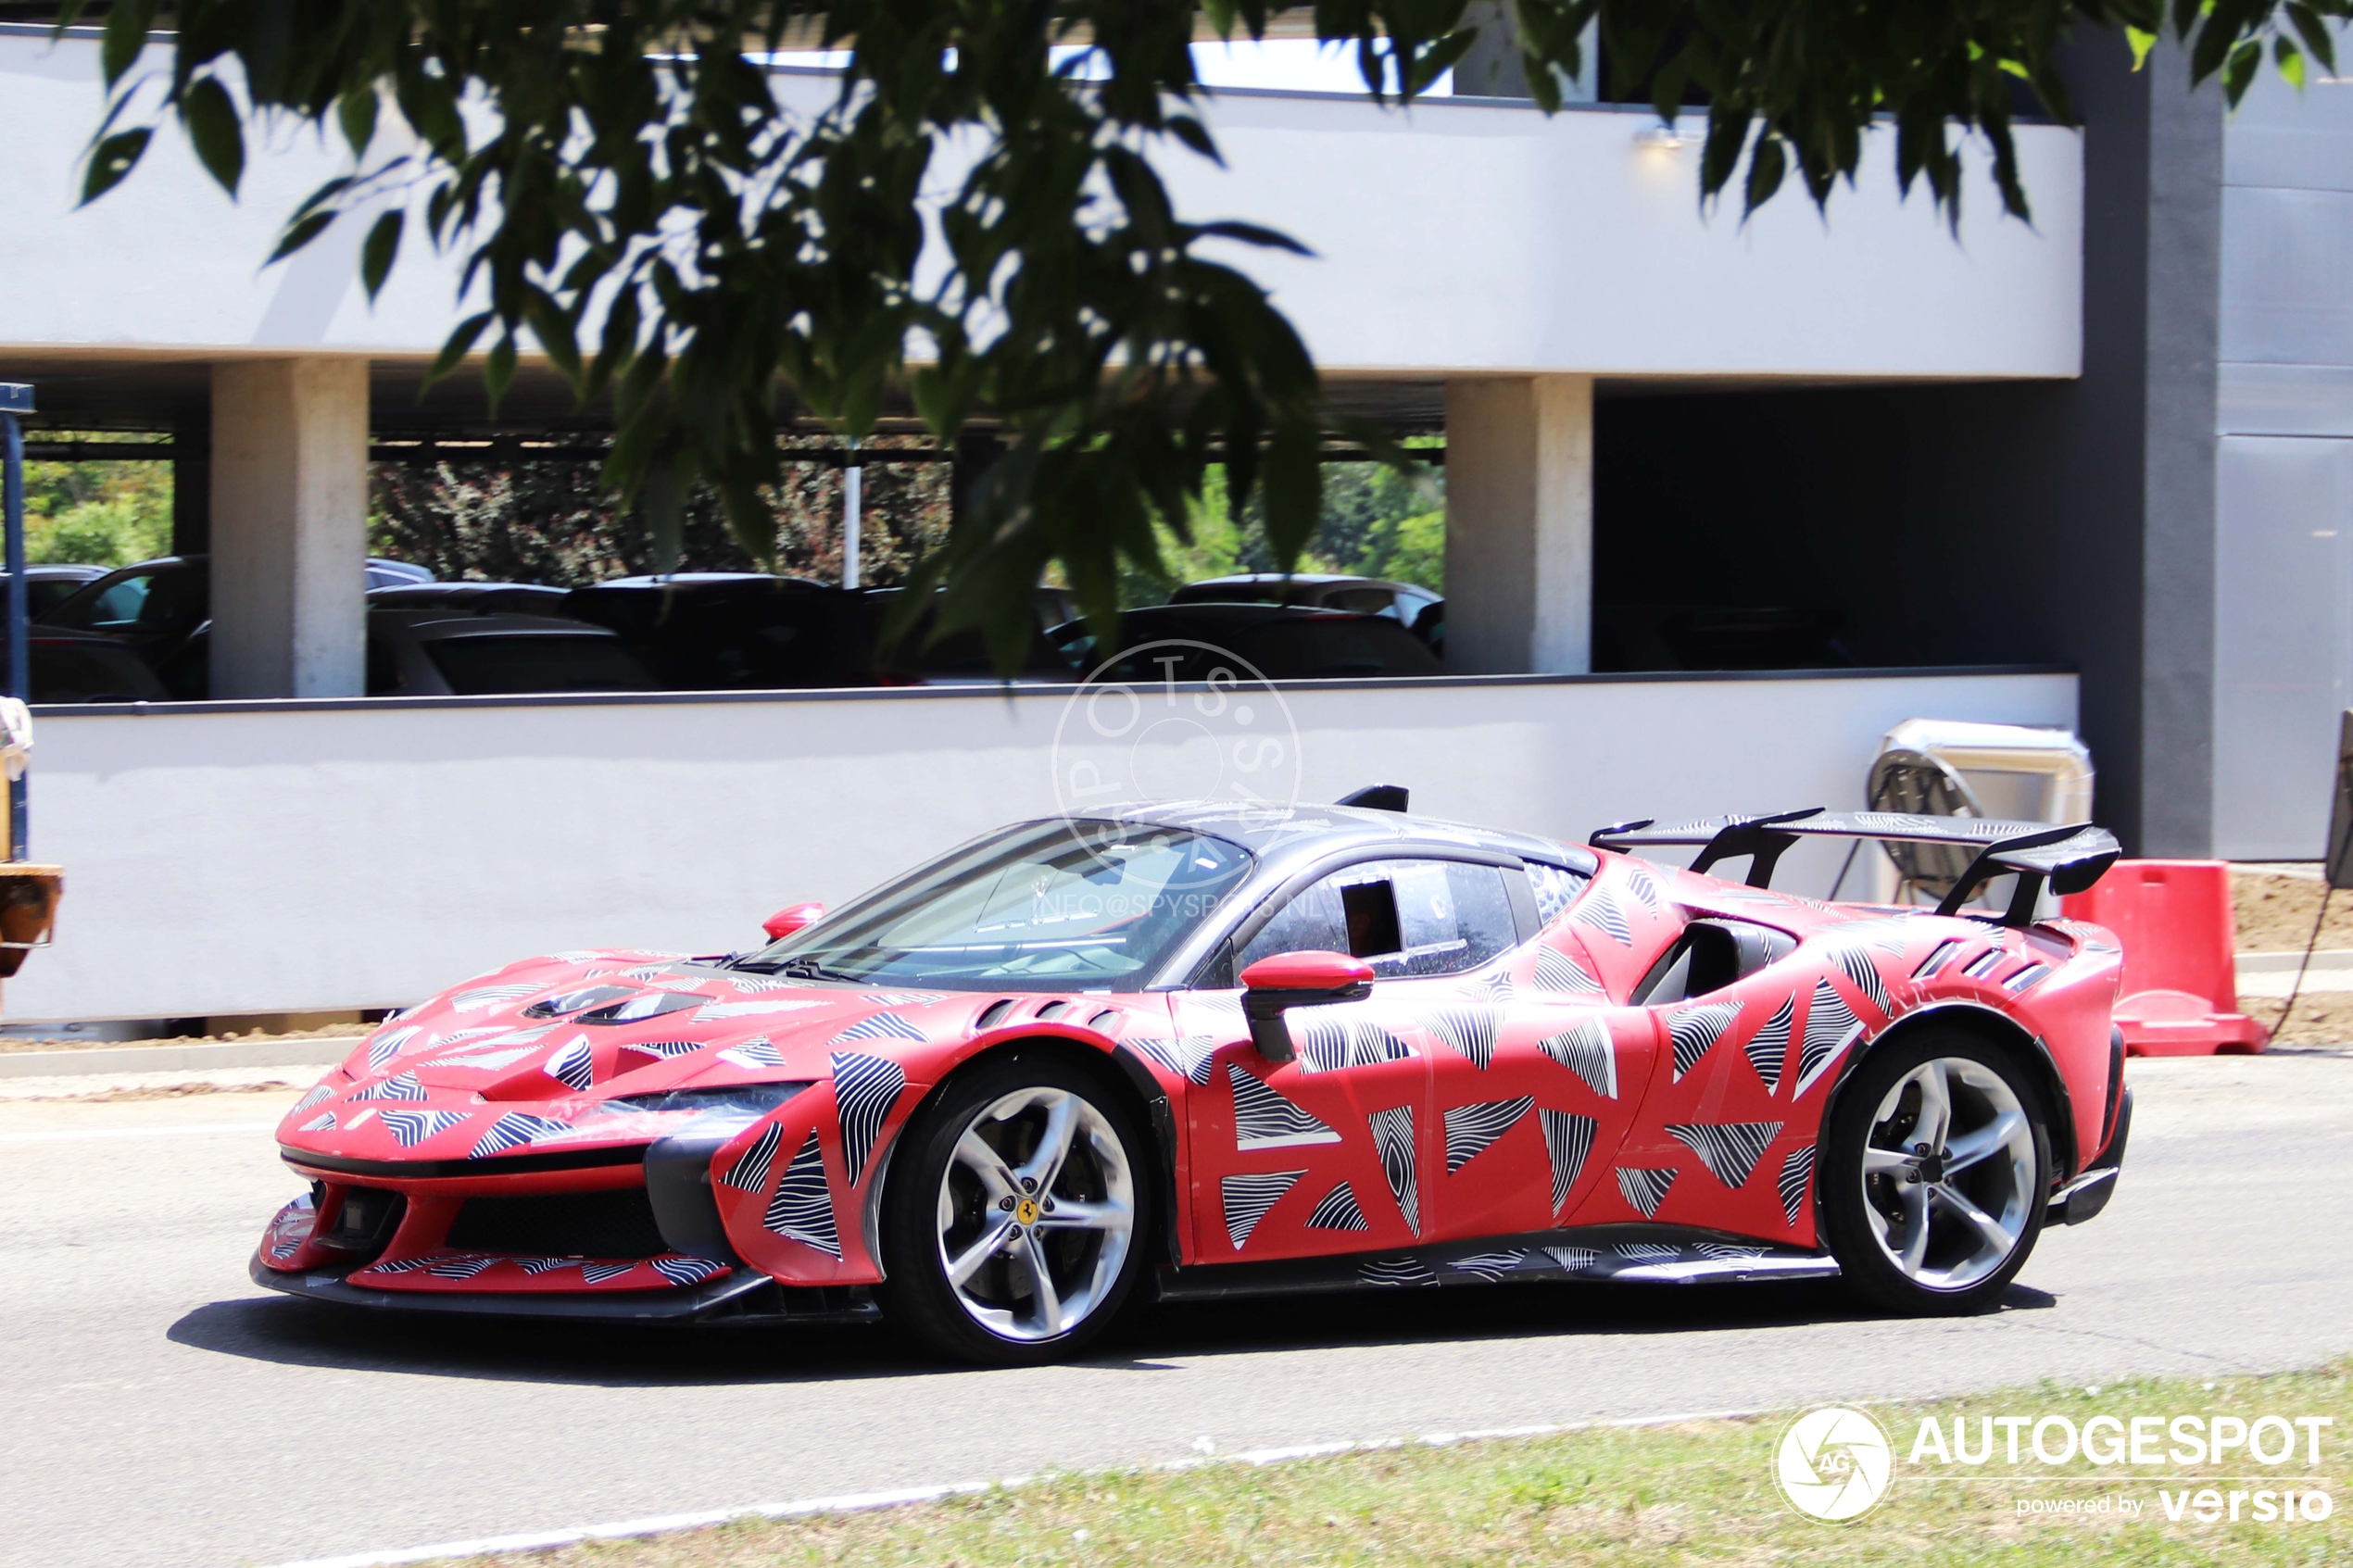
1621, 1254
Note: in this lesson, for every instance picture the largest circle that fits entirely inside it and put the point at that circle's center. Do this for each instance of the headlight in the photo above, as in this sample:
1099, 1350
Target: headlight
750, 1100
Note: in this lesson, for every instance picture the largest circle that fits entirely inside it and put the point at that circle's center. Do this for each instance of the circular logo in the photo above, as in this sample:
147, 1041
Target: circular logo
1833, 1465
1175, 720
1025, 1212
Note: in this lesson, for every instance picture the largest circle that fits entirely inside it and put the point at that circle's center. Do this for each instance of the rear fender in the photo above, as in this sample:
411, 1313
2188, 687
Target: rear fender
1996, 1028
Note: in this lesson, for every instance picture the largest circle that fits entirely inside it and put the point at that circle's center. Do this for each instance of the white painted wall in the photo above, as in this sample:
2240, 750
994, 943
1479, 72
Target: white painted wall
227, 857
1460, 235
2284, 474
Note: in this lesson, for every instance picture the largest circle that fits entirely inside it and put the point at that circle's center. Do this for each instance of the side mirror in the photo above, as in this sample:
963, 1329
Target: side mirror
1272, 985
791, 918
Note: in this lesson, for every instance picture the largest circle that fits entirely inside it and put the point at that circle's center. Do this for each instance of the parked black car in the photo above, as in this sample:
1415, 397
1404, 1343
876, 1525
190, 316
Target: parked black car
84, 667
49, 585
157, 608
716, 633
471, 598
1404, 603
721, 631
1281, 642
961, 658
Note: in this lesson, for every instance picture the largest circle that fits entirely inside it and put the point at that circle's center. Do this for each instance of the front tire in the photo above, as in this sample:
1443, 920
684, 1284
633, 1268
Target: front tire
1016, 1221
1934, 1174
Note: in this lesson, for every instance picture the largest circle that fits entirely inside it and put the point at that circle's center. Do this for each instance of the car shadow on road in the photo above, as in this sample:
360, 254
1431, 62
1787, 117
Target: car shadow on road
308, 1334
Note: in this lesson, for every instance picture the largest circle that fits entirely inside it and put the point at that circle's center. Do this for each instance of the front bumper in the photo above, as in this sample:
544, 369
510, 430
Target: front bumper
740, 1298
2083, 1197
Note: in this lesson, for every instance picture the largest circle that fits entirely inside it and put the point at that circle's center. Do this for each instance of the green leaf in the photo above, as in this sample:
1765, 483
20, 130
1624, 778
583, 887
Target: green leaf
554, 331
2316, 36
1188, 130
2142, 44
460, 342
211, 119
1293, 482
355, 112
1768, 165
661, 501
110, 160
1440, 58
499, 371
2236, 76
2290, 60
125, 36
377, 251
300, 233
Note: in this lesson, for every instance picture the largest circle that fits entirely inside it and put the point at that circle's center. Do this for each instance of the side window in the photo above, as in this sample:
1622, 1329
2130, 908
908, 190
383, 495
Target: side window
1556, 889
1313, 921
1404, 917
118, 608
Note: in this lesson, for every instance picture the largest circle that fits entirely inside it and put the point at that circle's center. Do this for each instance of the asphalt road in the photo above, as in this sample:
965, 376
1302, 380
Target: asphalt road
158, 1409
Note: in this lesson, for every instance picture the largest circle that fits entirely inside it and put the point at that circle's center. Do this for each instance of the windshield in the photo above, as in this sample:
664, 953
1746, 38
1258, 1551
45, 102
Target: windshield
1041, 906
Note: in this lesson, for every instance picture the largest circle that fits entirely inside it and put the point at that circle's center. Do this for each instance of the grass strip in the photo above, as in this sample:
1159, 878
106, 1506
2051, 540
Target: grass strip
1693, 1493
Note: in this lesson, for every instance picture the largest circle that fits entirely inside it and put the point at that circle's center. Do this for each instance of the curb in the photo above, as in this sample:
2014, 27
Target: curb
2282, 963
322, 1052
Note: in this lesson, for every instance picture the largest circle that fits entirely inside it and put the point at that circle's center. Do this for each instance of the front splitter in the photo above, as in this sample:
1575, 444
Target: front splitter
742, 1297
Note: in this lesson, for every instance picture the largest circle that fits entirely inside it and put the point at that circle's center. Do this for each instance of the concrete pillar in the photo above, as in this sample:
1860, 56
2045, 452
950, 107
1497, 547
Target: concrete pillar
192, 484
289, 527
1519, 525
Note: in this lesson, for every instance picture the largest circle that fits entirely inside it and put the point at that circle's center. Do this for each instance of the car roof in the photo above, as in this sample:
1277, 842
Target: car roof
1305, 832
1317, 579
1246, 609
430, 624
404, 591
704, 580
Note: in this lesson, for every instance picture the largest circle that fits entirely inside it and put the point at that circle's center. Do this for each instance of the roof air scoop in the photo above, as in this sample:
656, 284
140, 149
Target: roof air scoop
1375, 798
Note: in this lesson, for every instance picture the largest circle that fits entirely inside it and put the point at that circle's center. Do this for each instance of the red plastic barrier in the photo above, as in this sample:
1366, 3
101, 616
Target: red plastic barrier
2180, 996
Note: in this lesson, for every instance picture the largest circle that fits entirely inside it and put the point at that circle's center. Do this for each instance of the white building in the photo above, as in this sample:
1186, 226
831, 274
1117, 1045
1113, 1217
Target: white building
1989, 458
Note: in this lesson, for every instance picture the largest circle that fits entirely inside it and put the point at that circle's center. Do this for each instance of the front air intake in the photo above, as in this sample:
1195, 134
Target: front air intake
618, 1223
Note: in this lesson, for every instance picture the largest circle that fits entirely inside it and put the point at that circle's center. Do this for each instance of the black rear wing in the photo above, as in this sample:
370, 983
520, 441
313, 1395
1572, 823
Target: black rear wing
2070, 858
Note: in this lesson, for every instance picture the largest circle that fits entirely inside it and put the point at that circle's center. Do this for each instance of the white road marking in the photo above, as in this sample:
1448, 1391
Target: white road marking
861, 1502
200, 1128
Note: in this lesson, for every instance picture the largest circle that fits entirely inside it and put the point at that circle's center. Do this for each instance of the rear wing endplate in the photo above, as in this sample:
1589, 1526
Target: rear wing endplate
2068, 857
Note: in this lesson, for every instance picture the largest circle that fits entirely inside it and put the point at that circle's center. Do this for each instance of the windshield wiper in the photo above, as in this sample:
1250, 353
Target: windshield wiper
809, 969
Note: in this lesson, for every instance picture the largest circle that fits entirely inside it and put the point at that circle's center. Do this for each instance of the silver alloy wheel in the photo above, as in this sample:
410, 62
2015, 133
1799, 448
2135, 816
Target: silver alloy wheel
1037, 1211
1948, 1173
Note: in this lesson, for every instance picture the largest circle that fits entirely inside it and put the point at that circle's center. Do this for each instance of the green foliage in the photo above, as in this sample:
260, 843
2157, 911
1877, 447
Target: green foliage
104, 513
553, 522
631, 191
1375, 522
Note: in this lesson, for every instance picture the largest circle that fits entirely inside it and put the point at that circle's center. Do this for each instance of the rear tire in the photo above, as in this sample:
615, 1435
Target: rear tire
1934, 1173
980, 1212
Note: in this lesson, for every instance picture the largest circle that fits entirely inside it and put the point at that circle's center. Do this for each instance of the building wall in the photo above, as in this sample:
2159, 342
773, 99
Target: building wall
2069, 521
227, 857
1460, 236
2284, 557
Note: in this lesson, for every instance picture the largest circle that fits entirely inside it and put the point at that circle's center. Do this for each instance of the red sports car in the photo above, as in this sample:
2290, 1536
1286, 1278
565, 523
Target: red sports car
1206, 1051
